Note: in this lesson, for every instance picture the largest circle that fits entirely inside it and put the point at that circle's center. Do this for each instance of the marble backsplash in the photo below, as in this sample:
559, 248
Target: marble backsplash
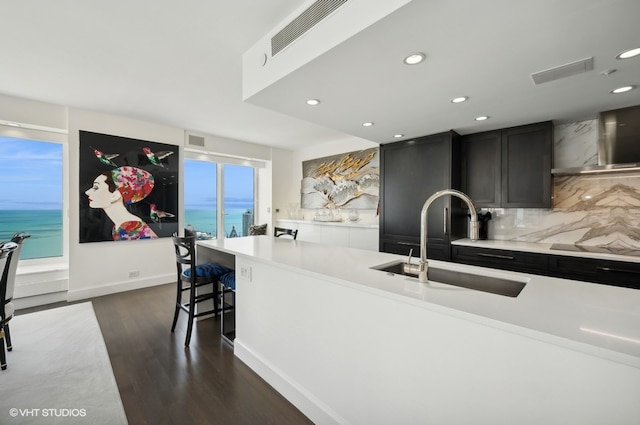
589, 210
575, 144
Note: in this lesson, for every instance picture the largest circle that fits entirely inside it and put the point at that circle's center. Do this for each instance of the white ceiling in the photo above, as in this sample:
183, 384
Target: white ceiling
179, 63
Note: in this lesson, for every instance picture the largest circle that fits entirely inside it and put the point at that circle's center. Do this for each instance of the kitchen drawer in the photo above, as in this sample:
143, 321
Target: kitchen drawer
399, 247
501, 259
435, 251
616, 273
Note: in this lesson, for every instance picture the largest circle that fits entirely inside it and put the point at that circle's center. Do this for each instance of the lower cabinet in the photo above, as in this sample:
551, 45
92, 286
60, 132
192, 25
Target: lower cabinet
617, 273
343, 234
607, 272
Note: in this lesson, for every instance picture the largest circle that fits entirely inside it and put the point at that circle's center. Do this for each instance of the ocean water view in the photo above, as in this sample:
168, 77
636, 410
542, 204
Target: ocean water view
44, 226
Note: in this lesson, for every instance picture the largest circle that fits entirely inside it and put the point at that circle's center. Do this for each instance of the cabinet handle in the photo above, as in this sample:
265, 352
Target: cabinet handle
502, 257
444, 215
407, 243
613, 269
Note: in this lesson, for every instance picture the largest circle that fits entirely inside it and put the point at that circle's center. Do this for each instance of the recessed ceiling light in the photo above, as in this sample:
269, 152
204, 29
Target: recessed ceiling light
367, 124
313, 102
629, 53
482, 118
399, 135
415, 58
459, 99
622, 89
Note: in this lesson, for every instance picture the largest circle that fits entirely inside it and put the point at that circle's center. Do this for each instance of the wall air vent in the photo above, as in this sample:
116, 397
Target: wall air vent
196, 140
563, 71
303, 23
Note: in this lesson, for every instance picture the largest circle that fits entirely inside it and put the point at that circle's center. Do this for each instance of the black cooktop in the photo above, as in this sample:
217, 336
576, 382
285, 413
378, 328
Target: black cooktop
634, 252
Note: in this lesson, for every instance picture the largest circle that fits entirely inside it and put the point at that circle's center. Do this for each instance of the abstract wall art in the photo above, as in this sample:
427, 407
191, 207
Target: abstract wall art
128, 188
350, 181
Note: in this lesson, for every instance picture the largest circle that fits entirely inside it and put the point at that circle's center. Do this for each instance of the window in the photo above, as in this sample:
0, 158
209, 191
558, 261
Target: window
32, 195
208, 184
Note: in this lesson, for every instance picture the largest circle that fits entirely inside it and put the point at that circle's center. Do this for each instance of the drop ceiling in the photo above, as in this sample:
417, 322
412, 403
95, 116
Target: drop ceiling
180, 64
487, 51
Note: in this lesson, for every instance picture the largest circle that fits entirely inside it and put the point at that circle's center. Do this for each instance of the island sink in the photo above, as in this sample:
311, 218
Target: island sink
494, 285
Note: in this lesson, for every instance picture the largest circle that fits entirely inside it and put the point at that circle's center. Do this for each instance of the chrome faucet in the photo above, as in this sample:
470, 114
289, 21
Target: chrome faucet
421, 269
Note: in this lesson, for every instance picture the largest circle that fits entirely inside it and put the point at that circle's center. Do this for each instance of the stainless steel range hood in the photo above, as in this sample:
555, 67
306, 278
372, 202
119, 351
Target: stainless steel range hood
618, 143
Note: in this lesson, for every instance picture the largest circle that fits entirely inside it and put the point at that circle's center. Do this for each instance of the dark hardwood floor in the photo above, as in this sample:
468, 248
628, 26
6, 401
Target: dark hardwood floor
162, 382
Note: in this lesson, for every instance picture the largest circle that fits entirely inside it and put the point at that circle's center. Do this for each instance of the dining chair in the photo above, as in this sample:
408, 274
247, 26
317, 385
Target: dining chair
192, 279
13, 248
6, 307
281, 231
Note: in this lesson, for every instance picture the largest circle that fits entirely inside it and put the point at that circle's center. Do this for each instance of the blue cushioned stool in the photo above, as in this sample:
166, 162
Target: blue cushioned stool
191, 278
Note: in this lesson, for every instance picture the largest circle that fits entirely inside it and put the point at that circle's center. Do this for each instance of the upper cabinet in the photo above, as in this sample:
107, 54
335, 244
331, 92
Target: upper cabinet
509, 168
411, 171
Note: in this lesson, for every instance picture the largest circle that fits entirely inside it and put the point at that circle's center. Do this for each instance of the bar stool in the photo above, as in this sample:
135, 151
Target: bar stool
228, 322
193, 278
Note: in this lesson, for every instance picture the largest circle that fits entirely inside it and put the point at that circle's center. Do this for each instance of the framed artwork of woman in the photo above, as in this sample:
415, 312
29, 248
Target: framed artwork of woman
129, 188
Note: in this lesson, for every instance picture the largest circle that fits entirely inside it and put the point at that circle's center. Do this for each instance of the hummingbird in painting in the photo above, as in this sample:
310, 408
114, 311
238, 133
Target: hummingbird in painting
105, 158
157, 215
156, 158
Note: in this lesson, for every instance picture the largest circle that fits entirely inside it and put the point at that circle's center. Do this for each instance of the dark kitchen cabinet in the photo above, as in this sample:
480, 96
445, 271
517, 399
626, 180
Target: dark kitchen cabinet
482, 168
509, 168
617, 273
594, 270
411, 171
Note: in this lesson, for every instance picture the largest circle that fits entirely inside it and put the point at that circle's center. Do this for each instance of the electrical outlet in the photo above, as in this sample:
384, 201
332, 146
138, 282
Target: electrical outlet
134, 273
245, 271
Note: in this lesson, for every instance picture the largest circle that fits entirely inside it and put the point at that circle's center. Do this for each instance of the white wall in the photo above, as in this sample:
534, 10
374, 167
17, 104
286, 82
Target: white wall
286, 185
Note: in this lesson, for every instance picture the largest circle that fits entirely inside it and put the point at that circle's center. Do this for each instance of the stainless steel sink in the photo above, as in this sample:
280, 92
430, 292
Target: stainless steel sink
494, 285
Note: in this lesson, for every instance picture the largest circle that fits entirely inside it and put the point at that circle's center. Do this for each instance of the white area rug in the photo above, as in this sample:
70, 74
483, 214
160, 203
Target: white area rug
59, 371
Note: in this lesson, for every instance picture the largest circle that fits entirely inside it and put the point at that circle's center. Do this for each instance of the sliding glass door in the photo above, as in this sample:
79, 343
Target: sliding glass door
200, 196
238, 199
208, 184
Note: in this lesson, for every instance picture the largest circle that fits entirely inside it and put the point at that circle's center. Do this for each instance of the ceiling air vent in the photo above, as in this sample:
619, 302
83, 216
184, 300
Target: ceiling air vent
196, 140
303, 23
563, 71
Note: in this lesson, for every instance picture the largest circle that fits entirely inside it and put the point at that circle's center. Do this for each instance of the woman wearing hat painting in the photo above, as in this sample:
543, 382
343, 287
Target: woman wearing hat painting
112, 190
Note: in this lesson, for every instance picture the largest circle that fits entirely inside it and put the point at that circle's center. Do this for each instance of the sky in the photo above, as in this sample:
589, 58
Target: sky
30, 174
200, 185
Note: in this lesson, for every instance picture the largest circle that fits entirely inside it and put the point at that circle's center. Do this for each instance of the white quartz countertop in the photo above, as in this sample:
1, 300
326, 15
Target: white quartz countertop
543, 248
596, 319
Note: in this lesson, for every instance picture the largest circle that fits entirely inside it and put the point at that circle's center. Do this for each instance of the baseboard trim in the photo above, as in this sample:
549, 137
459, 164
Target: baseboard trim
40, 299
307, 403
130, 285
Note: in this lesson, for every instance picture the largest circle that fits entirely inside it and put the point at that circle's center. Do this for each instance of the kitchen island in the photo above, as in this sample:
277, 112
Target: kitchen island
349, 344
